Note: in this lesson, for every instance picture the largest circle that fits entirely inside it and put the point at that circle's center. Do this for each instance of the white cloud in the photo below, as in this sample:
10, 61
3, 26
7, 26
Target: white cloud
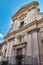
11, 22
1, 35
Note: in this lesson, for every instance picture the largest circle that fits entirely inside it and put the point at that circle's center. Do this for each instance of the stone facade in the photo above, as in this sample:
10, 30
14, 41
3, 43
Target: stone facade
24, 42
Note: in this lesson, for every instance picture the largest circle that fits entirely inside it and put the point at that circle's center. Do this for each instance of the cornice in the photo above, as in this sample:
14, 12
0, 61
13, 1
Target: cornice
20, 45
33, 30
36, 22
25, 8
11, 39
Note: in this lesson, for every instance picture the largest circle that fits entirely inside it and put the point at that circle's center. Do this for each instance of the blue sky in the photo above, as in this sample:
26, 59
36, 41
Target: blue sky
7, 9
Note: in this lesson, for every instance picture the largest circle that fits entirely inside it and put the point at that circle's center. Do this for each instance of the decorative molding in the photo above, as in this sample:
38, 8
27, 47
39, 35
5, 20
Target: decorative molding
21, 45
10, 39
24, 8
22, 16
36, 22
34, 30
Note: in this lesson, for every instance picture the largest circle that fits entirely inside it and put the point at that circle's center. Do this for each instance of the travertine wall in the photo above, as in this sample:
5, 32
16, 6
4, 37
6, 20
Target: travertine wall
31, 16
34, 46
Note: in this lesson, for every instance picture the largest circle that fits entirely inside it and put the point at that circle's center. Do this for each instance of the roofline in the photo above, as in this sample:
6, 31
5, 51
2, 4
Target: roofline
24, 8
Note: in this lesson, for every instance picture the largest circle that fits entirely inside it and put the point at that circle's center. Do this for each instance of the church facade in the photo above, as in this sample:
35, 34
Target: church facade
24, 41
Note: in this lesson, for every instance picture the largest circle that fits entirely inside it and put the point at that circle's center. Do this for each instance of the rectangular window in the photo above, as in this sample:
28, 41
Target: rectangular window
20, 38
22, 23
